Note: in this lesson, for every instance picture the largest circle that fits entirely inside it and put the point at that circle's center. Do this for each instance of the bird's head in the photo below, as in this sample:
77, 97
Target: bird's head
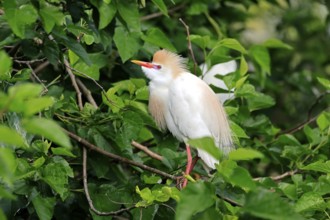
164, 67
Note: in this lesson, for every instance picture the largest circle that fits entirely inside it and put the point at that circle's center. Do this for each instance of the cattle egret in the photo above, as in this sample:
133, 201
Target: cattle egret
185, 105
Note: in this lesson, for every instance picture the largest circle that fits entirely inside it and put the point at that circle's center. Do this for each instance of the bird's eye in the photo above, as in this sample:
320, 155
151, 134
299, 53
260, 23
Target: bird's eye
157, 67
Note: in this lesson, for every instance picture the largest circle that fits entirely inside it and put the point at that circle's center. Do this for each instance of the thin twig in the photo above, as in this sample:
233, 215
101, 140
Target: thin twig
96, 83
299, 126
37, 78
41, 66
230, 201
147, 151
90, 201
29, 61
317, 101
189, 44
158, 14
74, 83
119, 158
309, 119
87, 93
279, 177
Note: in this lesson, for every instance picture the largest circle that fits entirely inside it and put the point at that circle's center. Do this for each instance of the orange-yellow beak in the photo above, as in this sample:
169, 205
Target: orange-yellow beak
146, 64
142, 63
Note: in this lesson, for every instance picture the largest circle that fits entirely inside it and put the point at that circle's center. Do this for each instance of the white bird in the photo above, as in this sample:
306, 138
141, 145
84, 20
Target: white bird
185, 105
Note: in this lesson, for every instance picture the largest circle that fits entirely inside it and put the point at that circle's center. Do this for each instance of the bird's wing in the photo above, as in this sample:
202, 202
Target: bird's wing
197, 112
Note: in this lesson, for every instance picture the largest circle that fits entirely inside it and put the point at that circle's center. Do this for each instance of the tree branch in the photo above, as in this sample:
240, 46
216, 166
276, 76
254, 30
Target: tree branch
309, 119
96, 83
87, 93
74, 83
158, 14
189, 44
119, 158
90, 202
279, 177
41, 66
37, 78
147, 151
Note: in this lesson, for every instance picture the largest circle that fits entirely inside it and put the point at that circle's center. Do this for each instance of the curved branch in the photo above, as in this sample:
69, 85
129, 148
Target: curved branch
119, 158
147, 151
189, 44
90, 202
74, 83
279, 177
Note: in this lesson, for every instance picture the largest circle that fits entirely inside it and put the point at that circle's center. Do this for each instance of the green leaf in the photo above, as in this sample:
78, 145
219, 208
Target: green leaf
236, 175
2, 215
19, 16
146, 195
319, 166
126, 48
290, 190
310, 201
128, 11
157, 37
48, 129
243, 67
260, 101
201, 41
8, 165
25, 91
161, 5
195, 198
21, 75
268, 205
56, 174
276, 43
73, 45
44, 206
172, 192
142, 93
323, 121
245, 154
50, 16
62, 151
151, 179
38, 162
312, 135
232, 44
241, 82
207, 144
107, 197
5, 66
107, 11
51, 51
197, 8
261, 55
231, 110
5, 194
237, 130
325, 82
35, 105
10, 137
116, 103
88, 71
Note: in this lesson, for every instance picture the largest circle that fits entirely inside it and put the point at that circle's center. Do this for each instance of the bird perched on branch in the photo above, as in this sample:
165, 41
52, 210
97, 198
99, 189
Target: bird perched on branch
185, 105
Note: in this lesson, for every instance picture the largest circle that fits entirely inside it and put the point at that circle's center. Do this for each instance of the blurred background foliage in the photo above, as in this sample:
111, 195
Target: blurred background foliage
278, 108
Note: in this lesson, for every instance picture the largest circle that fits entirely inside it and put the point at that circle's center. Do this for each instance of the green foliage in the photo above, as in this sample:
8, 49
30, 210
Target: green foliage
278, 111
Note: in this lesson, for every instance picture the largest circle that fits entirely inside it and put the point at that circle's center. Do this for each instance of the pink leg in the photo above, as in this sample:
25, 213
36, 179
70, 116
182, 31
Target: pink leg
189, 165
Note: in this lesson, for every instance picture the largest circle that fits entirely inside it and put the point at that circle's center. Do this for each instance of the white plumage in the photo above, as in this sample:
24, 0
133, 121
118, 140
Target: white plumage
185, 104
